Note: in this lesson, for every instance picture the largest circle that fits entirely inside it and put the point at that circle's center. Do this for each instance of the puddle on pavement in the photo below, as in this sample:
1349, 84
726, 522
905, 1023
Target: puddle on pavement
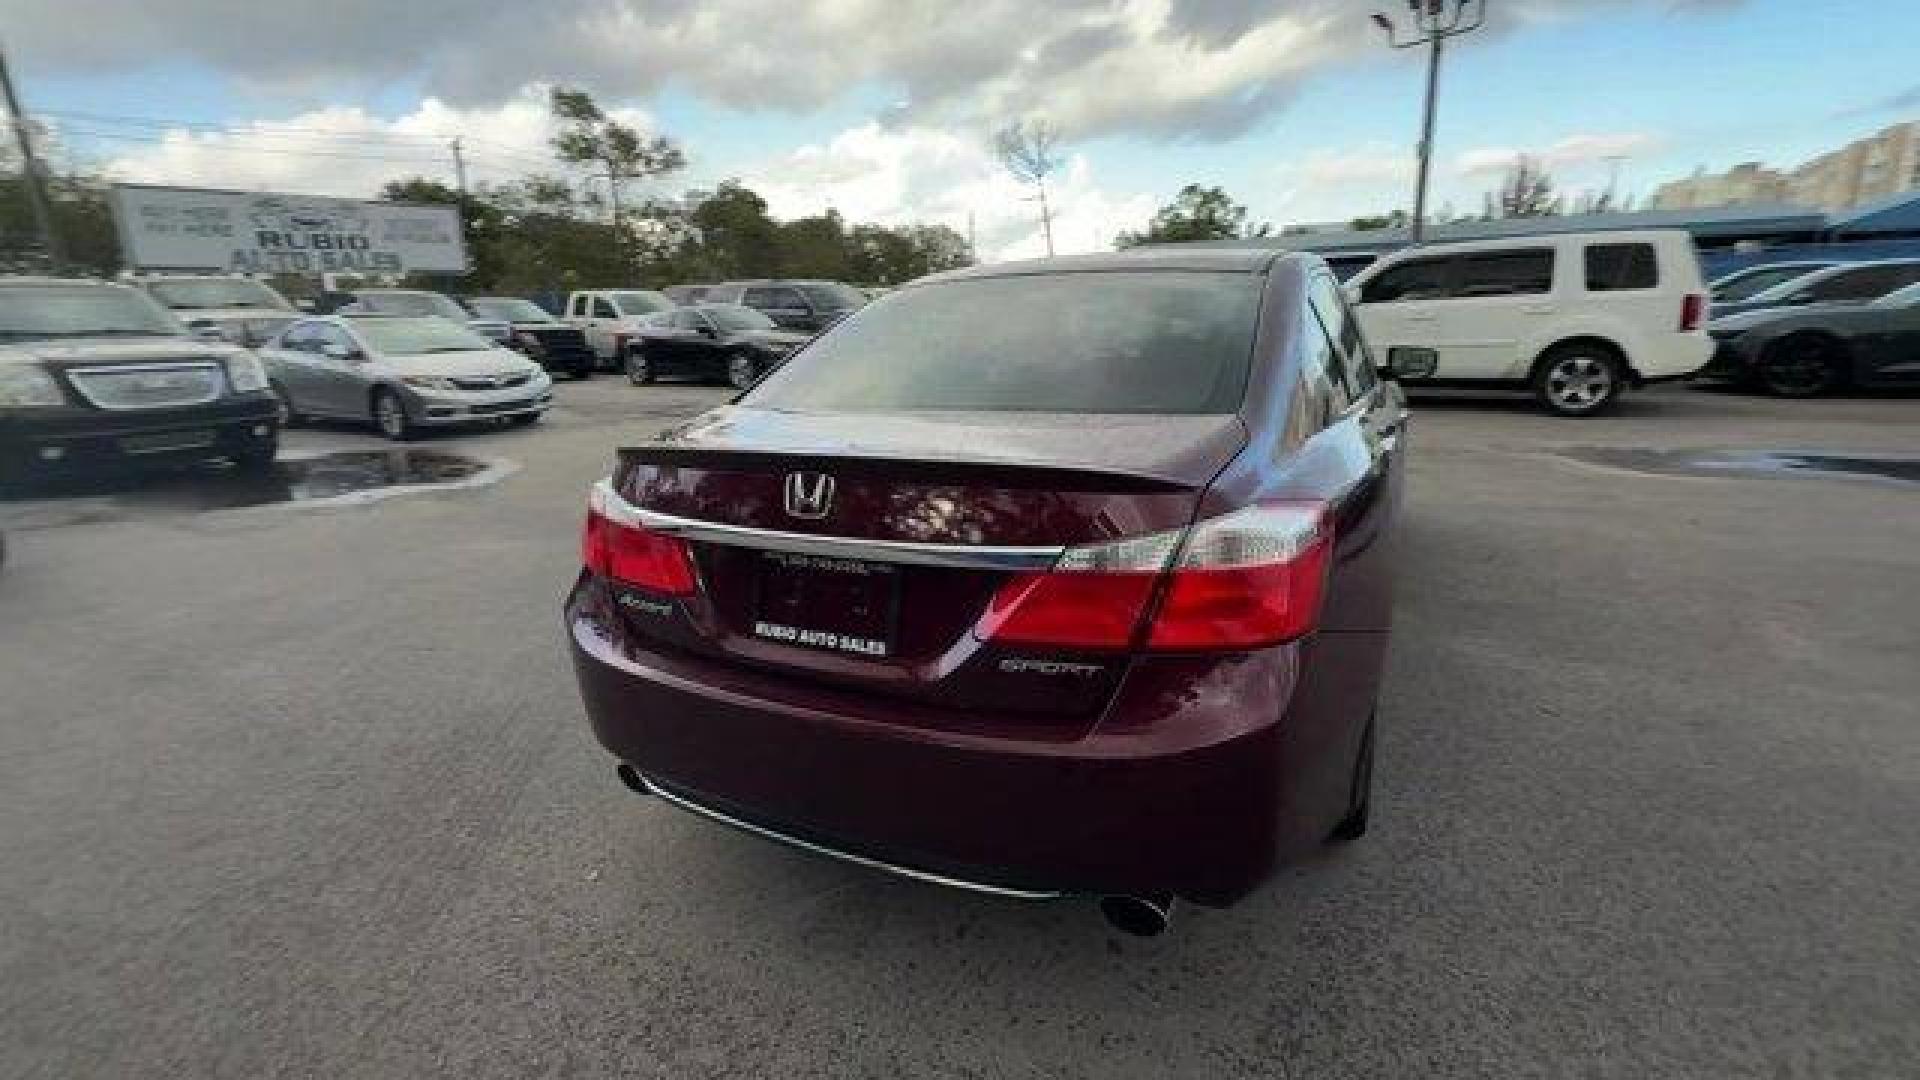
346, 476
1775, 462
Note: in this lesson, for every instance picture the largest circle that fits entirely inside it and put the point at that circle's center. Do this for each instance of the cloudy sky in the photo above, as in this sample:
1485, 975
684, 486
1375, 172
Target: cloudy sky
883, 108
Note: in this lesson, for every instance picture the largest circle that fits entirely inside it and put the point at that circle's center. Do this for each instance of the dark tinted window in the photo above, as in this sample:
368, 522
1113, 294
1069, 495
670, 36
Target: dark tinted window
1416, 279
1612, 267
1131, 342
1341, 326
1865, 283
1505, 273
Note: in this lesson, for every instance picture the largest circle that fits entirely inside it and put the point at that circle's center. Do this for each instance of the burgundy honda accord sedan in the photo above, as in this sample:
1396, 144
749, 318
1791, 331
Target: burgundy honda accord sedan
1068, 577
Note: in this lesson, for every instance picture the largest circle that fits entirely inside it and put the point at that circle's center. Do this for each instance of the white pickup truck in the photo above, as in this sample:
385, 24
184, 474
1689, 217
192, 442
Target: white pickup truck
611, 317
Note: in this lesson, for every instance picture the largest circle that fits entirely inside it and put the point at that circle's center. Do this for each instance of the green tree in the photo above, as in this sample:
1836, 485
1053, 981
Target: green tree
1392, 219
1197, 213
482, 220
590, 139
816, 247
733, 236
1526, 192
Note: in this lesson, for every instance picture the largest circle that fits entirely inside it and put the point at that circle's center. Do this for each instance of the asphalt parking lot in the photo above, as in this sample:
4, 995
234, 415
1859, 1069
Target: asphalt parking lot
304, 789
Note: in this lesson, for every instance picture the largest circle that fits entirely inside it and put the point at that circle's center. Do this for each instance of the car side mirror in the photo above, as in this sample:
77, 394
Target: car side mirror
708, 331
209, 332
1801, 297
343, 352
1410, 362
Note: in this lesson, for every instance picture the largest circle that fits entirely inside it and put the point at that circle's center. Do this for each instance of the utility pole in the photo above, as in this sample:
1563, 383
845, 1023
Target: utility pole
459, 168
30, 170
973, 244
1434, 21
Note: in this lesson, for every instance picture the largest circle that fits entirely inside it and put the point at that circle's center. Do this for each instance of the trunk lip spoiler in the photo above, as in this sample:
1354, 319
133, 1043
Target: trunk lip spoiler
950, 556
1046, 474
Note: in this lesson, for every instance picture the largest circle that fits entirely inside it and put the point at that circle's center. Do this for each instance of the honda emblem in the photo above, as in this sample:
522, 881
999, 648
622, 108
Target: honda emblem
809, 495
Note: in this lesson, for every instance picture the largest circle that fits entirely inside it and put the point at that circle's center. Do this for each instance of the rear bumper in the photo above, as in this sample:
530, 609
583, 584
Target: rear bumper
1672, 356
76, 439
1195, 780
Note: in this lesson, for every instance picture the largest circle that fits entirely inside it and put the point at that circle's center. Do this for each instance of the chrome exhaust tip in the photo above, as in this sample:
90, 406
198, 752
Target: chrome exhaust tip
630, 776
1141, 916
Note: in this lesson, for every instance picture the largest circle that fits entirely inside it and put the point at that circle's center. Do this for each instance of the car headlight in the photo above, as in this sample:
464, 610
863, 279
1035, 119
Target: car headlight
245, 375
28, 386
428, 382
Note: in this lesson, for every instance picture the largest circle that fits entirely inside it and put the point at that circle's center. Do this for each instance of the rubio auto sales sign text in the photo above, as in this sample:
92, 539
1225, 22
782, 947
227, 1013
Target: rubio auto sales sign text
251, 233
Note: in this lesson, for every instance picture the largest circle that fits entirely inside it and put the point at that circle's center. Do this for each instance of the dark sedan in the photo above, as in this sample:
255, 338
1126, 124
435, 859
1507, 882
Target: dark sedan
976, 591
1806, 351
709, 341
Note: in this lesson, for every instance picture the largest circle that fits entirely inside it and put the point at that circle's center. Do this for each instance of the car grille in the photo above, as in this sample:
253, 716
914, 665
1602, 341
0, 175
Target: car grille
148, 386
492, 382
557, 337
502, 406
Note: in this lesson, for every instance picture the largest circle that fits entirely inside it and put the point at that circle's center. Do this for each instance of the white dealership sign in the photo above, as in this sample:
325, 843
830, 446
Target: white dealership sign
170, 228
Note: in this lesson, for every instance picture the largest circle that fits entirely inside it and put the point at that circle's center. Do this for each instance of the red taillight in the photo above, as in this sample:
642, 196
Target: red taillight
620, 548
1089, 611
1693, 308
1241, 581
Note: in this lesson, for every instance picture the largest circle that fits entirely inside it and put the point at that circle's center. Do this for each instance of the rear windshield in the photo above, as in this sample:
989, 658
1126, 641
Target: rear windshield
640, 302
1124, 342
832, 294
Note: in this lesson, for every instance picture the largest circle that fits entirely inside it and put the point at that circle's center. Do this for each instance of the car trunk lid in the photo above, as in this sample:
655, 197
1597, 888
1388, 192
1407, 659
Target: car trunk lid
863, 550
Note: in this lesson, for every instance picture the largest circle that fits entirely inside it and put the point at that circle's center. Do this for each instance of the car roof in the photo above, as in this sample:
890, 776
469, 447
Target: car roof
1541, 240
1172, 257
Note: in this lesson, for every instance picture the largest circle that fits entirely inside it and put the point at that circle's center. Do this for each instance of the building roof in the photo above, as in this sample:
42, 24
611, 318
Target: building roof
1719, 222
1894, 214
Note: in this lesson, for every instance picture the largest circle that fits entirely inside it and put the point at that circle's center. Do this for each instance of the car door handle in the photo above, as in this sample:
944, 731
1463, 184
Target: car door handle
1537, 309
1423, 318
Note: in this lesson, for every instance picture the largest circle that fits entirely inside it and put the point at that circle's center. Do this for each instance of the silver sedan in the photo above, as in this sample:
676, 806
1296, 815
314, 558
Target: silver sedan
402, 373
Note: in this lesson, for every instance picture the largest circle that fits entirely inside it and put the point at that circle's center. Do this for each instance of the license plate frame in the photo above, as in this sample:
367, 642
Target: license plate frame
790, 589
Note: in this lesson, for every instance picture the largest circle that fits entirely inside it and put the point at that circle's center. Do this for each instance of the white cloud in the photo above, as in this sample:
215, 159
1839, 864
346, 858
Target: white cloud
901, 174
347, 151
1199, 70
1571, 151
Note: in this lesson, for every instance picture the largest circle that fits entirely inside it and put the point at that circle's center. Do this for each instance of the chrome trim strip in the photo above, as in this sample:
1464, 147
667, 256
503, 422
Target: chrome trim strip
954, 556
711, 814
161, 365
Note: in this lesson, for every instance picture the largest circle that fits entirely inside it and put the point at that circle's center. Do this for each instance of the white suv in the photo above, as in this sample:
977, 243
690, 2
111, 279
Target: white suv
1575, 318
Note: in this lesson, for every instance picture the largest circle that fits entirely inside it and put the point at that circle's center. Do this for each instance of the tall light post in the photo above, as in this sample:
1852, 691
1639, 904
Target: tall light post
1434, 21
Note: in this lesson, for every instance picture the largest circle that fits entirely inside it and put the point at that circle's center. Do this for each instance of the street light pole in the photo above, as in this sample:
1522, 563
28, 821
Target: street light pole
1434, 21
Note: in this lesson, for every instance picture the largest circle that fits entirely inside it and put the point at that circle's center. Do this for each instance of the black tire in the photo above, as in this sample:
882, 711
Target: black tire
1802, 366
1578, 379
1360, 797
390, 416
639, 369
289, 416
742, 370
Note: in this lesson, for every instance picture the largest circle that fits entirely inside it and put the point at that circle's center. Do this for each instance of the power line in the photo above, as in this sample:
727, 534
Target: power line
377, 139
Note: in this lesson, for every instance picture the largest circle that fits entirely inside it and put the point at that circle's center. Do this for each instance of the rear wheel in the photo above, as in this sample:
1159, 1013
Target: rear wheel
1578, 380
639, 368
1360, 800
1805, 365
390, 416
741, 371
